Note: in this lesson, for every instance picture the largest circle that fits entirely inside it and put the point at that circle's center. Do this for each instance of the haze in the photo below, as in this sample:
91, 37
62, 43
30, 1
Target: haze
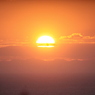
66, 69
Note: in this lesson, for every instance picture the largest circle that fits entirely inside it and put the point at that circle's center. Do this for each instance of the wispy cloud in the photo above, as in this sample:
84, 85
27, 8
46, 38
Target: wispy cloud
5, 43
25, 58
66, 59
78, 38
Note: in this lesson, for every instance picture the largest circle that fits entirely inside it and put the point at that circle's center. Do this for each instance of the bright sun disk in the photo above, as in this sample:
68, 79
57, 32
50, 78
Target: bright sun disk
45, 41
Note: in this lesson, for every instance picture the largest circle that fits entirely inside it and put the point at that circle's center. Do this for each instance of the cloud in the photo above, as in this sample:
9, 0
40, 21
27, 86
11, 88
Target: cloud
67, 59
73, 38
53, 59
5, 43
72, 51
78, 38
76, 58
56, 66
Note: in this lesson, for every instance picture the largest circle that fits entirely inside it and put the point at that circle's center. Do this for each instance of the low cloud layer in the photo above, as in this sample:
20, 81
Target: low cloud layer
73, 51
55, 67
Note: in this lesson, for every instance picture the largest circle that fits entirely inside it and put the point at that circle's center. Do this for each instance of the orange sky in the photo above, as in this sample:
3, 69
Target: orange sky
68, 68
27, 20
70, 23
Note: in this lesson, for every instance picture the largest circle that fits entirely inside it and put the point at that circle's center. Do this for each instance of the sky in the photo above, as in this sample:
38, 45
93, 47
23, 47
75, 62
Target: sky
68, 68
70, 22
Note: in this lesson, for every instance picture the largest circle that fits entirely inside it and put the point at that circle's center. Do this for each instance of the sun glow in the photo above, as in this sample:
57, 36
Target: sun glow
45, 41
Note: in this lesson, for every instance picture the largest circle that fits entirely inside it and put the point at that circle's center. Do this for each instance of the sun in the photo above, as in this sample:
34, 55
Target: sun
45, 41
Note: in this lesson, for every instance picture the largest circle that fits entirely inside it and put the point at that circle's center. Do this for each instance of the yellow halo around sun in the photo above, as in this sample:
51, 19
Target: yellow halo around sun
45, 41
